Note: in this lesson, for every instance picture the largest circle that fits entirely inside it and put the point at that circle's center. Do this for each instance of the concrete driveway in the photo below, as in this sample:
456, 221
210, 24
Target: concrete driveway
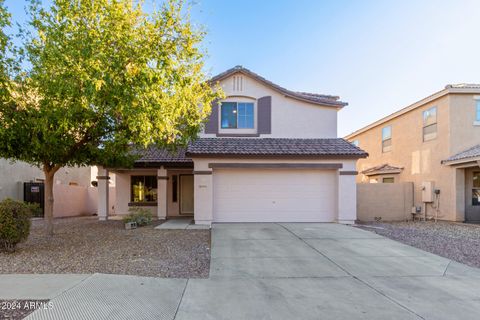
282, 271
326, 271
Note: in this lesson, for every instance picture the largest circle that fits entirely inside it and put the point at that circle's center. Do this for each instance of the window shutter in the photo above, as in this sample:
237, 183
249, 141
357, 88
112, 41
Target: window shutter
212, 125
264, 106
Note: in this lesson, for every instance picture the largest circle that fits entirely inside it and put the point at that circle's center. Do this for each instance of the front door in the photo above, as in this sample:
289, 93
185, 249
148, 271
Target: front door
472, 195
186, 194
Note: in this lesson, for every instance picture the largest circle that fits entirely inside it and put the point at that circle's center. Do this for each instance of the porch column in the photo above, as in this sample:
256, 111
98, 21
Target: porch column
162, 203
347, 197
203, 197
103, 193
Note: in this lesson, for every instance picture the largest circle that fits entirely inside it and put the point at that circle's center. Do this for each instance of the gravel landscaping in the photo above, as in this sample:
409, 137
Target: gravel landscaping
455, 241
85, 245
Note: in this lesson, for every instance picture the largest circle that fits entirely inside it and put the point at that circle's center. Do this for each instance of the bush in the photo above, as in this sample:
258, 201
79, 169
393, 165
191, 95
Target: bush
141, 216
14, 223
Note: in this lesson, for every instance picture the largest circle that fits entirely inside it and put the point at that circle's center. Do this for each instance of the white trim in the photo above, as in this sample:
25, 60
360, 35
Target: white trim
476, 123
240, 99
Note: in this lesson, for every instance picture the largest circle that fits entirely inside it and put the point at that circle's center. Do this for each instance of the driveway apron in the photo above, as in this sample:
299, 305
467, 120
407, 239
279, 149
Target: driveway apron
285, 271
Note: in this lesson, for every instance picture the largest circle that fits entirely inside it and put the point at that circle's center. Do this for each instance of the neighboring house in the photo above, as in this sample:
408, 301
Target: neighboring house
436, 139
266, 154
72, 190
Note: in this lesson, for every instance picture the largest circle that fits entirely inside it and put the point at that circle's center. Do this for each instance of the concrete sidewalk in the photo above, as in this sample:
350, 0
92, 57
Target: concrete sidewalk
274, 271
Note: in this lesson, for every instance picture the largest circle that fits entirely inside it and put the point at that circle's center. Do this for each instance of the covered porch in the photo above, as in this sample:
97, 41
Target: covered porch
160, 181
467, 183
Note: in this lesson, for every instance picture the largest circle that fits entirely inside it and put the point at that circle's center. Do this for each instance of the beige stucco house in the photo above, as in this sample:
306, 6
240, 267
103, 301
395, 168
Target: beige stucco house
434, 143
267, 154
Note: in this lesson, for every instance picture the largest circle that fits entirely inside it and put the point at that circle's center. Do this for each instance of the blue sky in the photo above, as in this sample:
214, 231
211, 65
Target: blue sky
379, 56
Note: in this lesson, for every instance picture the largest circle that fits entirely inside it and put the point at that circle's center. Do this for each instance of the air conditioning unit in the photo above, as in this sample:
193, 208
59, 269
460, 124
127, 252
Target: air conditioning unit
427, 191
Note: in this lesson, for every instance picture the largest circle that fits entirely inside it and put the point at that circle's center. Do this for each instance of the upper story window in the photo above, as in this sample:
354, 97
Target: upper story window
237, 115
477, 114
430, 124
355, 143
387, 139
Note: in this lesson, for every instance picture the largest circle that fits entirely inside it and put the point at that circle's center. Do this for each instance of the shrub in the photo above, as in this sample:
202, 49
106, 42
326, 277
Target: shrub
141, 216
14, 223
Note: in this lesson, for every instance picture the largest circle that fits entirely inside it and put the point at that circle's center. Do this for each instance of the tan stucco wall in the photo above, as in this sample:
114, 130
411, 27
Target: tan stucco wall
422, 160
388, 201
464, 132
73, 201
12, 176
290, 118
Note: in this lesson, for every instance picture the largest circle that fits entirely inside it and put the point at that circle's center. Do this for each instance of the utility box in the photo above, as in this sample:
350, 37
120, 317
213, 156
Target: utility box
427, 191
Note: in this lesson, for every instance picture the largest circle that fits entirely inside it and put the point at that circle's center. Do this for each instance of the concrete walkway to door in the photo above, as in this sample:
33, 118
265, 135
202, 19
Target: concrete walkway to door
278, 271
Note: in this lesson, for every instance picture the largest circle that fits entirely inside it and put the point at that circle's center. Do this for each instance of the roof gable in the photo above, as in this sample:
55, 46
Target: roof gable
382, 169
314, 98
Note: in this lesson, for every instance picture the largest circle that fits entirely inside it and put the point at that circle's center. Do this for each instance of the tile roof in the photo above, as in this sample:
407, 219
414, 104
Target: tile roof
321, 99
161, 155
274, 147
470, 153
463, 86
382, 169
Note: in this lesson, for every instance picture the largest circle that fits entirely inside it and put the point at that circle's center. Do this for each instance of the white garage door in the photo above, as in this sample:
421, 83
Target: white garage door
282, 195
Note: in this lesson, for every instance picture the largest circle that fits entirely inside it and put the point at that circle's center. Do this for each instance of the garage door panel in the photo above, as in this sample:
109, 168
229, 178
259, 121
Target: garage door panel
308, 204
281, 216
274, 195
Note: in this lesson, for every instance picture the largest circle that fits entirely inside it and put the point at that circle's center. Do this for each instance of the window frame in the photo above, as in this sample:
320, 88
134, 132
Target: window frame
477, 111
391, 179
429, 125
237, 114
387, 142
132, 191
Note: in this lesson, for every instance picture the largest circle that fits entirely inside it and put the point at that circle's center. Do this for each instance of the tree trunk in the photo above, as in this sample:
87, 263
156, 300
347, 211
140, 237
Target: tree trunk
49, 175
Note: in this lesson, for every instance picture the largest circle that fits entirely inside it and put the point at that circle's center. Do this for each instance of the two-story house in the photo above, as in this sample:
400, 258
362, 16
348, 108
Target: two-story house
435, 141
267, 154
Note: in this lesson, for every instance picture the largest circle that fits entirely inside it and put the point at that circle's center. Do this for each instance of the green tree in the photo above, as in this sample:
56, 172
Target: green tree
6, 59
103, 75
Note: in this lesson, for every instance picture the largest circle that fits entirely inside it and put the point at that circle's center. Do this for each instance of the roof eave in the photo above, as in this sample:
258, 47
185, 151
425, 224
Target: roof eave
274, 156
379, 172
461, 161
338, 104
415, 105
